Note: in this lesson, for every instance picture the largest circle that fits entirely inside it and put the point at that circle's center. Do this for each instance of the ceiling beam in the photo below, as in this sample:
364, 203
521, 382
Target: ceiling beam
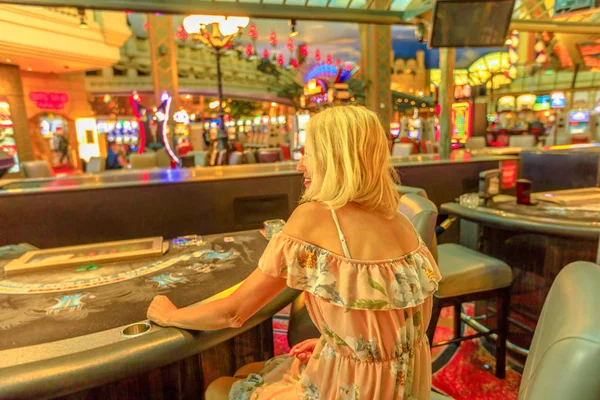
252, 10
529, 25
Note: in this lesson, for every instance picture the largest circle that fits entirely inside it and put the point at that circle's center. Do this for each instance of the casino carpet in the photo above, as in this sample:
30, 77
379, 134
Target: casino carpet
468, 373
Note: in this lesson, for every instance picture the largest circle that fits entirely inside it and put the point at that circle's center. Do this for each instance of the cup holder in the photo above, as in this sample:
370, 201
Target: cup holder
134, 330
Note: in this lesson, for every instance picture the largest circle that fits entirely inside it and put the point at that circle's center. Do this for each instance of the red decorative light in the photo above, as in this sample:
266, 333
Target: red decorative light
249, 50
181, 33
290, 44
294, 63
49, 101
318, 55
146, 26
304, 50
329, 59
280, 60
252, 32
338, 61
265, 53
273, 39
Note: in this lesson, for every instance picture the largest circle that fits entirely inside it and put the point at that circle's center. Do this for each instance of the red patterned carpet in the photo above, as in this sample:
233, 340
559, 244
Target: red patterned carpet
467, 372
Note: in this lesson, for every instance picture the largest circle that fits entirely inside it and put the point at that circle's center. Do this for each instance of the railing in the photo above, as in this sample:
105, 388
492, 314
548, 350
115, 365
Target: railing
68, 11
196, 69
533, 78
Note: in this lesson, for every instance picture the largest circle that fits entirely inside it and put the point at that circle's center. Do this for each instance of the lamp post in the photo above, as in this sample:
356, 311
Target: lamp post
216, 32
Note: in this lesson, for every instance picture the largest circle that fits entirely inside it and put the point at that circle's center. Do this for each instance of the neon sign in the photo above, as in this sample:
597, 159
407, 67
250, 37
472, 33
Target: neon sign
462, 92
315, 86
558, 100
182, 117
462, 117
49, 100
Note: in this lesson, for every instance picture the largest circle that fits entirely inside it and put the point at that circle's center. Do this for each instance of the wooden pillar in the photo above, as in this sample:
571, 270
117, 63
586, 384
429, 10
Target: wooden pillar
11, 91
446, 97
163, 53
375, 48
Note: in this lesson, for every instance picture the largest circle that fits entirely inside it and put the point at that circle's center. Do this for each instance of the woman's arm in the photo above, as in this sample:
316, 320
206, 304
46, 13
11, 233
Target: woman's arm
230, 312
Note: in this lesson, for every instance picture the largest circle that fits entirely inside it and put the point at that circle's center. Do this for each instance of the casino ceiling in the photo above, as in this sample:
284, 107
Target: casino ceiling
529, 15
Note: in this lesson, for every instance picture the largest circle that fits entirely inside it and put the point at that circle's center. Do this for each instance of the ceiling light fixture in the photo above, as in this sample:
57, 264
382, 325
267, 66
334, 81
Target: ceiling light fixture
82, 18
293, 31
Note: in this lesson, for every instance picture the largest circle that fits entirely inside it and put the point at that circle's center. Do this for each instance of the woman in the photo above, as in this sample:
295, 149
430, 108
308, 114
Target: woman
367, 276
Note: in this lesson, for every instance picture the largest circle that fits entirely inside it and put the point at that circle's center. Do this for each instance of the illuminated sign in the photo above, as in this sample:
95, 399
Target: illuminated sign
581, 99
182, 117
506, 103
508, 174
542, 103
462, 119
525, 102
49, 101
315, 86
558, 100
462, 92
579, 116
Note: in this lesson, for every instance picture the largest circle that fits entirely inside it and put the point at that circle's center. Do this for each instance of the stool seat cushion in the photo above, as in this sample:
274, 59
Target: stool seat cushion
438, 396
466, 271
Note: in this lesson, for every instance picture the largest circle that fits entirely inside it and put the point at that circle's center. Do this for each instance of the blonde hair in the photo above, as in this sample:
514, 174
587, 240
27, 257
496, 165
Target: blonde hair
347, 152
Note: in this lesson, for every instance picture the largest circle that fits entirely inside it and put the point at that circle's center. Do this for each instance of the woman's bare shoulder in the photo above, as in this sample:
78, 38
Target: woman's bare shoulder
305, 219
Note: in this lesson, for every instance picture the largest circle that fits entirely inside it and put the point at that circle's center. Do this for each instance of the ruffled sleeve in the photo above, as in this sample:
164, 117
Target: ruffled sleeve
353, 284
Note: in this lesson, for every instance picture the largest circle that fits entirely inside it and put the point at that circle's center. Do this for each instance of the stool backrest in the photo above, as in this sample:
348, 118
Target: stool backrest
163, 160
477, 142
564, 357
222, 157
200, 158
235, 158
401, 189
423, 215
402, 149
96, 165
249, 157
143, 161
268, 156
429, 147
521, 141
213, 157
503, 139
36, 169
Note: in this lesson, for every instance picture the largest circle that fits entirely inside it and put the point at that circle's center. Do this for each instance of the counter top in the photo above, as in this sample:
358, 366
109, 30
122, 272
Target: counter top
158, 176
547, 218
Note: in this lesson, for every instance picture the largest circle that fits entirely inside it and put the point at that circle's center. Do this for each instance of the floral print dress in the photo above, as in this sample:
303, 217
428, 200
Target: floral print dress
373, 318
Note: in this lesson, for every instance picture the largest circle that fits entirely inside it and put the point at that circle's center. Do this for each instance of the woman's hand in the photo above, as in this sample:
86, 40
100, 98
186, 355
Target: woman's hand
303, 351
160, 310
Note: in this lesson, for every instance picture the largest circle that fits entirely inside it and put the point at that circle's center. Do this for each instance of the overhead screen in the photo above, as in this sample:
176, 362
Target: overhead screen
470, 23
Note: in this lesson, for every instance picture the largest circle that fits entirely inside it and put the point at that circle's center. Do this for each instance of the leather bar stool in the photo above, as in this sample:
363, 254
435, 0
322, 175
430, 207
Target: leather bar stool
235, 158
143, 161
36, 169
564, 358
467, 276
95, 165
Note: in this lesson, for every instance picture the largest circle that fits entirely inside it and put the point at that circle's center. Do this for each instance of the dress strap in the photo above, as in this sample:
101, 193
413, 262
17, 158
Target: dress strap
342, 238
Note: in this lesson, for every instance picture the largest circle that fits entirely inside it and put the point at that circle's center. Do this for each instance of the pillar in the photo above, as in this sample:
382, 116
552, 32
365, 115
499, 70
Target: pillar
163, 53
375, 47
11, 91
445, 99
